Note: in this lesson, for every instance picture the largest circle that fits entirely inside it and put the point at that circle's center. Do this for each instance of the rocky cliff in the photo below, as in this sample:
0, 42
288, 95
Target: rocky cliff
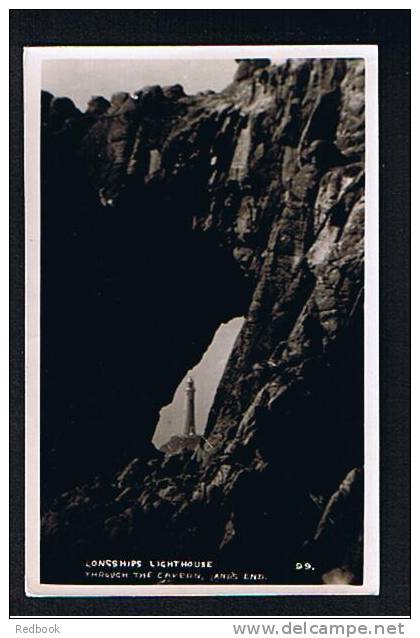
164, 215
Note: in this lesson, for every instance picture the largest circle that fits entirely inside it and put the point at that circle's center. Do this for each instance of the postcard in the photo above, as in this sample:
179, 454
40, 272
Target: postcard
202, 320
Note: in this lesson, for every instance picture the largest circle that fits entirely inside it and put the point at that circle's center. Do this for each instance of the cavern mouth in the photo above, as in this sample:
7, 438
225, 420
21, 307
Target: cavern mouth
206, 376
156, 293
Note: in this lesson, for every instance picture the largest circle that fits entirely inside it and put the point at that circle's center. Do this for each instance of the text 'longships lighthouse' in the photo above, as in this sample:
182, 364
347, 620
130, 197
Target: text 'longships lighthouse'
189, 429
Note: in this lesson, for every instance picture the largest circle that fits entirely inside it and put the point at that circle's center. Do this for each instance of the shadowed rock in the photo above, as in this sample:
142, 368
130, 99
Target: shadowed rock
246, 67
97, 105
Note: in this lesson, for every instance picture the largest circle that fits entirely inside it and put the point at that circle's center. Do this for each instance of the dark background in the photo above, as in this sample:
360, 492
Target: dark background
390, 29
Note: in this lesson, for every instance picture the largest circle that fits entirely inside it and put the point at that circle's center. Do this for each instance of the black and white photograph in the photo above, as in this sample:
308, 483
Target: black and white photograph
202, 350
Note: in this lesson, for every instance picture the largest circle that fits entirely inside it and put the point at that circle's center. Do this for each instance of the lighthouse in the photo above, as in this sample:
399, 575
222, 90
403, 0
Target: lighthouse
189, 429
189, 439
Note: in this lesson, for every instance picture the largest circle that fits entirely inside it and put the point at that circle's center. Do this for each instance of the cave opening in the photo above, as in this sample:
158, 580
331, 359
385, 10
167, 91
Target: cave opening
206, 375
131, 302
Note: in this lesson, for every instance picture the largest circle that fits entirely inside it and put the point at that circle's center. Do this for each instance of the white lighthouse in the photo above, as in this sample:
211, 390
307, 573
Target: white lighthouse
189, 429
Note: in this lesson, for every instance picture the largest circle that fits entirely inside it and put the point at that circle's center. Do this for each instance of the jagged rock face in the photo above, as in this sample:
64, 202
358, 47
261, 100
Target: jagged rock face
191, 210
179, 443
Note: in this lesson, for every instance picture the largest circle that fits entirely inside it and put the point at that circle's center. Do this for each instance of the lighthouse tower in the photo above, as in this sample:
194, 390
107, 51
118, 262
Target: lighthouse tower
189, 429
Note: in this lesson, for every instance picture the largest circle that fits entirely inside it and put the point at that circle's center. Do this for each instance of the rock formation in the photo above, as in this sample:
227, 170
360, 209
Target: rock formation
254, 199
181, 442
